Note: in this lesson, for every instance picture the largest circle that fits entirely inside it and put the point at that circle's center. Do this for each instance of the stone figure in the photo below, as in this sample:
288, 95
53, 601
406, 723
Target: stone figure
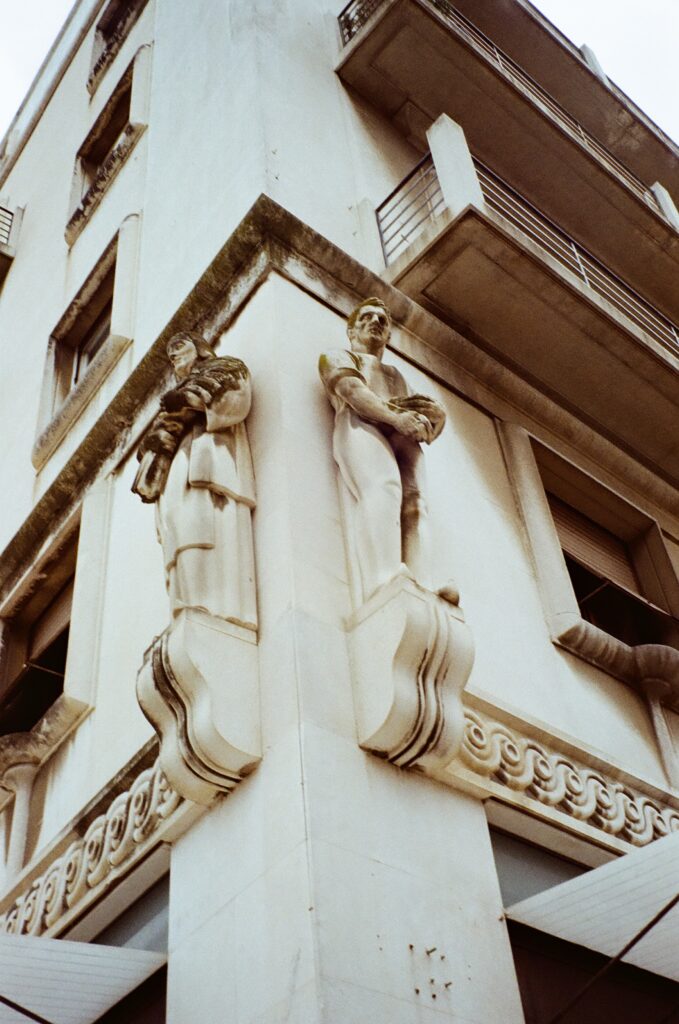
380, 426
195, 465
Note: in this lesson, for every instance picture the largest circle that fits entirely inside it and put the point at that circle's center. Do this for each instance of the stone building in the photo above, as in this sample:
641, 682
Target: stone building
357, 790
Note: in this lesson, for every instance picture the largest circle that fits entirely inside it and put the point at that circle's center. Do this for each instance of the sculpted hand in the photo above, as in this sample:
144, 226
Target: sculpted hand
415, 426
195, 400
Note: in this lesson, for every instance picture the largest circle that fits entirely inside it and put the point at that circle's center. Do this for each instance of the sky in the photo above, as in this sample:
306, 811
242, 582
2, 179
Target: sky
636, 44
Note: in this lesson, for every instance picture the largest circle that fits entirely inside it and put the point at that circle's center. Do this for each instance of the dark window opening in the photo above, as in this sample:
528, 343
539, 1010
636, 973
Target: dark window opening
87, 335
146, 1005
112, 28
34, 659
92, 341
606, 580
550, 972
35, 689
106, 135
628, 617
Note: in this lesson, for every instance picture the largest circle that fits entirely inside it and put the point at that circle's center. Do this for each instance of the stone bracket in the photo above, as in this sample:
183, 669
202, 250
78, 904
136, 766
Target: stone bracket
411, 654
199, 688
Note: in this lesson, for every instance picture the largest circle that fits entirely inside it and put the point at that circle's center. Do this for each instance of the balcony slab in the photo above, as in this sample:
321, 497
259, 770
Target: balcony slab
412, 65
486, 278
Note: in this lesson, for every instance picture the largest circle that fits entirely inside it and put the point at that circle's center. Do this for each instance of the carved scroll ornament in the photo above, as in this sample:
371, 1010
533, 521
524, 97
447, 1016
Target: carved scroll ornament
108, 843
493, 750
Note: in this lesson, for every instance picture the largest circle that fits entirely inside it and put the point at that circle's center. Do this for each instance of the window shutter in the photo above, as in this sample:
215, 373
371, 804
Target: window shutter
593, 546
51, 623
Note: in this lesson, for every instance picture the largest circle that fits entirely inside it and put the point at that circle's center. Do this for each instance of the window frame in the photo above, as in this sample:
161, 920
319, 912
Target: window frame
62, 400
112, 29
100, 158
534, 468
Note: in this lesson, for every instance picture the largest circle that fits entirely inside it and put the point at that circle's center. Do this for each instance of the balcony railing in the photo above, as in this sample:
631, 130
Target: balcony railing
357, 13
404, 214
6, 218
418, 200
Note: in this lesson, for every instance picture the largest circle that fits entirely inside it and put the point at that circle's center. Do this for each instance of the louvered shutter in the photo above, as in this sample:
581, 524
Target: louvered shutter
593, 546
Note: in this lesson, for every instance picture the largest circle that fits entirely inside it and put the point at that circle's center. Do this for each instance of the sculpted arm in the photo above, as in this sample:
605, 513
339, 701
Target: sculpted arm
348, 384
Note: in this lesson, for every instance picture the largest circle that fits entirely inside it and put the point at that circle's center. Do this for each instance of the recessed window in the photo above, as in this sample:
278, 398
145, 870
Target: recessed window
608, 585
34, 661
109, 143
112, 29
107, 134
87, 343
609, 589
86, 336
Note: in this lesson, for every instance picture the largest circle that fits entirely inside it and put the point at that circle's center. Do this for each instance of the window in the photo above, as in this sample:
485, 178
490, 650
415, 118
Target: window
93, 333
609, 588
108, 133
10, 220
109, 143
34, 661
608, 585
85, 337
112, 29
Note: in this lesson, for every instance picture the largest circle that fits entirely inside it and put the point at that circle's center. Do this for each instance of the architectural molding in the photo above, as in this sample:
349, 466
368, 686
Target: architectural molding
128, 828
519, 767
411, 654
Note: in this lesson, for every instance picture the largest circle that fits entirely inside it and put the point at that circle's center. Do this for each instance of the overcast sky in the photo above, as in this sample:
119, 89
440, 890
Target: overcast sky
636, 43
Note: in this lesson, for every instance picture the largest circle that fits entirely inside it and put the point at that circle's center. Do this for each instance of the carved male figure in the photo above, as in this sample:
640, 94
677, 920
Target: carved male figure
195, 466
379, 427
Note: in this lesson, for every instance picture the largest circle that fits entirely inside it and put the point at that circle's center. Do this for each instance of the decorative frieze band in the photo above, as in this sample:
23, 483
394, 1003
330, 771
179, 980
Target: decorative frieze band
112, 838
493, 750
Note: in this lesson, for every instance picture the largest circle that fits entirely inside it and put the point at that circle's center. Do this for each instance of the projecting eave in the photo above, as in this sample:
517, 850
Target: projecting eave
480, 274
413, 64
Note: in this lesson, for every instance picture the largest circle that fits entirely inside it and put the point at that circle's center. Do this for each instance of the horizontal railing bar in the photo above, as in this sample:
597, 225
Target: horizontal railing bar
402, 232
423, 181
419, 199
425, 159
503, 198
400, 211
6, 219
426, 175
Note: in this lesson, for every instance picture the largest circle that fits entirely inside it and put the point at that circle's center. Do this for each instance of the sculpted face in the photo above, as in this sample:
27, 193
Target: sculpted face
182, 354
371, 330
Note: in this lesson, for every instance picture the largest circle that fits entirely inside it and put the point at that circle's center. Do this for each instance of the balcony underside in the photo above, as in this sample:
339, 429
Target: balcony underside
521, 32
480, 274
411, 65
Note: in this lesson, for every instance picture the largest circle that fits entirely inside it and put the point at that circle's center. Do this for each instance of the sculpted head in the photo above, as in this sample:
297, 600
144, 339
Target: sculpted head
185, 349
369, 326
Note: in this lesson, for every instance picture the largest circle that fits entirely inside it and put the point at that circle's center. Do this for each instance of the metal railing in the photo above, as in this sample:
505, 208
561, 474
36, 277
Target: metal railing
6, 218
354, 17
357, 13
404, 214
506, 201
418, 200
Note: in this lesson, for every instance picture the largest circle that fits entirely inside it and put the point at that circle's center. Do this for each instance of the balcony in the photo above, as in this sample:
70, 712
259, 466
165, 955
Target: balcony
474, 252
6, 250
417, 59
